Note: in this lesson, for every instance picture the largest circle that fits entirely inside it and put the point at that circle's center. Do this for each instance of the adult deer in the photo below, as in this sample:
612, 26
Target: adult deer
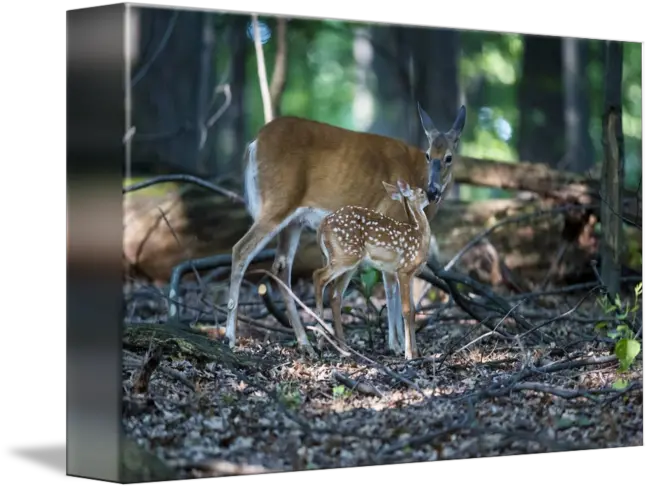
297, 171
354, 235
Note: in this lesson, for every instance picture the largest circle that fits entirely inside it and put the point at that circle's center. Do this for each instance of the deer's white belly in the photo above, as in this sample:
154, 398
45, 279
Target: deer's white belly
311, 217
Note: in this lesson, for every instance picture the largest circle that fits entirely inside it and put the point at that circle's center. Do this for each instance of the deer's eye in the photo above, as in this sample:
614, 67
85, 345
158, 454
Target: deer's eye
448, 159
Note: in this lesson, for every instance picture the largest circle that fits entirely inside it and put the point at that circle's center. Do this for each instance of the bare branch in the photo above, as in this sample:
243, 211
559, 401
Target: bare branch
262, 71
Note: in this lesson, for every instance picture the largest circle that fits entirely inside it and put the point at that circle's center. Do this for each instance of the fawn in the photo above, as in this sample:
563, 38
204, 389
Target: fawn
354, 235
297, 171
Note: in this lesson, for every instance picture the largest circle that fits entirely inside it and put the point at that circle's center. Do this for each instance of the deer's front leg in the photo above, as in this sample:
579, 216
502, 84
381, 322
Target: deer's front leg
393, 306
408, 310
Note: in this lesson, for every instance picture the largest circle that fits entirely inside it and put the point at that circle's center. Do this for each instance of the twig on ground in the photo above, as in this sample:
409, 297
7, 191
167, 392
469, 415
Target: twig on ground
184, 178
560, 316
360, 386
131, 359
150, 363
569, 288
329, 335
493, 331
264, 292
569, 394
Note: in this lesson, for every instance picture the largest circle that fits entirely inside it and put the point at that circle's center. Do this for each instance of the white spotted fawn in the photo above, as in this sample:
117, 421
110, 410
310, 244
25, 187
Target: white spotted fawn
354, 235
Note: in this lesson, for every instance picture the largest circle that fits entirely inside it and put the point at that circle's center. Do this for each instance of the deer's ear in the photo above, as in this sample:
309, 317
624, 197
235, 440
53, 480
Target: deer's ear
458, 124
427, 123
392, 191
404, 188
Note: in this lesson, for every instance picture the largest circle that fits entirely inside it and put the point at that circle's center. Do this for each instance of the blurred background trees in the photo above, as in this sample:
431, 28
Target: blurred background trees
529, 98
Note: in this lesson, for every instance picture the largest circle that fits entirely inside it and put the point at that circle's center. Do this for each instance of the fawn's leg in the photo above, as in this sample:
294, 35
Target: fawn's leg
243, 252
340, 287
323, 277
393, 306
282, 268
408, 309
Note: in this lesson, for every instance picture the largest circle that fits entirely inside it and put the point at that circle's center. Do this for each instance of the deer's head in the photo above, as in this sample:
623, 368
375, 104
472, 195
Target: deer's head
417, 197
442, 147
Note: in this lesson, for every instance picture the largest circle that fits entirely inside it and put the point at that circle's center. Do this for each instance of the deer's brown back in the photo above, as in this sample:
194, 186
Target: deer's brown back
304, 163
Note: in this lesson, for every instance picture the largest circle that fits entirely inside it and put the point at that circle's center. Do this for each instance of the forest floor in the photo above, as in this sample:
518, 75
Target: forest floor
206, 411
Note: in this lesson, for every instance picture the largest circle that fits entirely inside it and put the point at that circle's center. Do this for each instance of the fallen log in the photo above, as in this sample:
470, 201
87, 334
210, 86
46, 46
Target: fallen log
206, 224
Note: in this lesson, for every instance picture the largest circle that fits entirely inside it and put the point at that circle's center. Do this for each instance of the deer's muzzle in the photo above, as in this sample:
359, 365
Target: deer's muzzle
435, 186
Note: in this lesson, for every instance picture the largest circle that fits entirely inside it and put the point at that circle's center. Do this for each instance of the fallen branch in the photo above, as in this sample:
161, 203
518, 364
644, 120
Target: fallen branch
263, 291
329, 335
360, 386
150, 360
569, 394
560, 316
184, 178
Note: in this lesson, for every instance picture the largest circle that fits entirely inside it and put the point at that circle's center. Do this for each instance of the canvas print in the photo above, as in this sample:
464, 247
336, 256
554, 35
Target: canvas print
350, 244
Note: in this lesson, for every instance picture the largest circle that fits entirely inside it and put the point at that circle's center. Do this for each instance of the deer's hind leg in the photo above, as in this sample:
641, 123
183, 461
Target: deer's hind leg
323, 277
283, 263
242, 254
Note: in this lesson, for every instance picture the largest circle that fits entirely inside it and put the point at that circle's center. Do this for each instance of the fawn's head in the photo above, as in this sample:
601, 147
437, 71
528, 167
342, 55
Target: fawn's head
416, 197
442, 147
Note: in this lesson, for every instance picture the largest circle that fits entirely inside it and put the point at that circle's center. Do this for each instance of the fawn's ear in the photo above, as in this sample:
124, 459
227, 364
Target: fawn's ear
404, 188
392, 191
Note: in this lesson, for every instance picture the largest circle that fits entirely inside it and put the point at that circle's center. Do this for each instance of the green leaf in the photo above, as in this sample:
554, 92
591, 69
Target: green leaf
622, 328
626, 351
638, 289
369, 279
601, 325
620, 384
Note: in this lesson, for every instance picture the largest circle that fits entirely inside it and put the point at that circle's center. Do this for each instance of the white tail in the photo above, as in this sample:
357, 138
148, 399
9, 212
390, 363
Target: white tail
355, 235
297, 171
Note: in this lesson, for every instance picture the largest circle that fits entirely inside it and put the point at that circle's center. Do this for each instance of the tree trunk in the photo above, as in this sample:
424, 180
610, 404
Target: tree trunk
279, 74
436, 82
172, 86
579, 152
612, 170
395, 108
231, 128
542, 125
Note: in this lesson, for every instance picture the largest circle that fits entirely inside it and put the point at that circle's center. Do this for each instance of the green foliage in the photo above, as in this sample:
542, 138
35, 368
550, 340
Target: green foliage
340, 392
627, 348
321, 81
369, 277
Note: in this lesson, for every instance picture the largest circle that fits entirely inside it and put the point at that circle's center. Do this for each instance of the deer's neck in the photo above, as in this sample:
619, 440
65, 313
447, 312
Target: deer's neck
418, 221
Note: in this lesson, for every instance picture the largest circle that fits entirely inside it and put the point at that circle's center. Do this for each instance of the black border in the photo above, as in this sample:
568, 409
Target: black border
95, 157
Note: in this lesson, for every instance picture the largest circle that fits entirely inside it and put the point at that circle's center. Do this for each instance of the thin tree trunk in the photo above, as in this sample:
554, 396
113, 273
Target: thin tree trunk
579, 153
612, 171
542, 124
279, 75
262, 71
